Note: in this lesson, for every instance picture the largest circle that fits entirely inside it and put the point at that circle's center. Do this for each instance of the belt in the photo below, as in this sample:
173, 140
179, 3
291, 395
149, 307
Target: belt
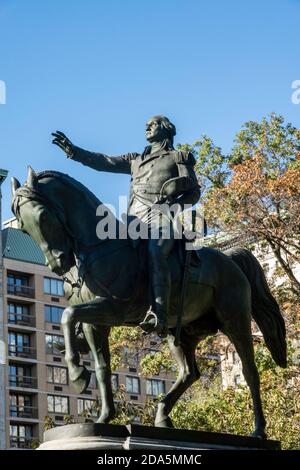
146, 188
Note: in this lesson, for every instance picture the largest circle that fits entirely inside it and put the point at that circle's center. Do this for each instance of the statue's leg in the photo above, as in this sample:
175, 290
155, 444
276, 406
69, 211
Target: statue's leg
188, 373
237, 327
244, 347
160, 278
100, 311
97, 338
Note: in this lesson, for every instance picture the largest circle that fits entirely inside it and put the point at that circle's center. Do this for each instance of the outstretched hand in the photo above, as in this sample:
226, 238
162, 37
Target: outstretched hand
62, 141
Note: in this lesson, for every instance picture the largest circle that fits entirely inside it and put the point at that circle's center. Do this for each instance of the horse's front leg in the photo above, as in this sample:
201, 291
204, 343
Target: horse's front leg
78, 375
97, 338
100, 311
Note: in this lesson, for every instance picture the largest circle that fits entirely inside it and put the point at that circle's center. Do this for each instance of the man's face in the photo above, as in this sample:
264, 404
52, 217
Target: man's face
154, 131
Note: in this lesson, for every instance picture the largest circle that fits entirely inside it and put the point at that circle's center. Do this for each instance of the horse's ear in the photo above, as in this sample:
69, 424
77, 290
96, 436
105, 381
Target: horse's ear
15, 184
31, 178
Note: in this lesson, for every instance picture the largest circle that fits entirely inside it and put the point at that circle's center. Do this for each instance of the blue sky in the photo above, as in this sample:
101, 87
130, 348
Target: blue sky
98, 69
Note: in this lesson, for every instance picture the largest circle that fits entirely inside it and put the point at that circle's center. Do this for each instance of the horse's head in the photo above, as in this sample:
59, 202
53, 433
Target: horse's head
39, 217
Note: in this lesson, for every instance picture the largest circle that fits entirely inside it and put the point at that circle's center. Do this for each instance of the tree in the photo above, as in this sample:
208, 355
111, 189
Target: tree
254, 192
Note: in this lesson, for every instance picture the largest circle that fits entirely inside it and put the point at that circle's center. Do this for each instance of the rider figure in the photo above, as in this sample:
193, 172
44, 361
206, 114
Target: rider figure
159, 175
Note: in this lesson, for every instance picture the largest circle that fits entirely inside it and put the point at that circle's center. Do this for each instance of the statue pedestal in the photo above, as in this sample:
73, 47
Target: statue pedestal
92, 436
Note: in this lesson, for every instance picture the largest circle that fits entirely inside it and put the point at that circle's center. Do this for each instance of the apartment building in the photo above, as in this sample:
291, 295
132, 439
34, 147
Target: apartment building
35, 374
3, 175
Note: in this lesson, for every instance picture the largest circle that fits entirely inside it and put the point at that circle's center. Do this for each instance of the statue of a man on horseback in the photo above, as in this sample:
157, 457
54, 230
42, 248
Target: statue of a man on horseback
160, 175
224, 291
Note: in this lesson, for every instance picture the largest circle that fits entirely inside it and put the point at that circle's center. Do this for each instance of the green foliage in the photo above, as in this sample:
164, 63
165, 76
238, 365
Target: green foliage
125, 344
276, 141
69, 419
128, 412
48, 423
155, 363
212, 164
35, 444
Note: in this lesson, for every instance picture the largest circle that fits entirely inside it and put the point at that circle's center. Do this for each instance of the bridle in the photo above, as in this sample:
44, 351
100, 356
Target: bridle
32, 194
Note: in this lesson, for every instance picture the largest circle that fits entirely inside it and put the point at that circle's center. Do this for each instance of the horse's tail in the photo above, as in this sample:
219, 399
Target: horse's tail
265, 309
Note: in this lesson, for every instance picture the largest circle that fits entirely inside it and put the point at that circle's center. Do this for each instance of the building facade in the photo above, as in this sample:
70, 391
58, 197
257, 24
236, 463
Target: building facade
3, 174
35, 375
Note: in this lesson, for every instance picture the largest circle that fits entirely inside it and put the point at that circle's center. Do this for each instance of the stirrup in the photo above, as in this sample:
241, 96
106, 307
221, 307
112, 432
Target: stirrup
147, 323
150, 324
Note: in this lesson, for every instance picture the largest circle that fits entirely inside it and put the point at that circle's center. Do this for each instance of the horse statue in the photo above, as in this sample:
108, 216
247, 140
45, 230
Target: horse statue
106, 285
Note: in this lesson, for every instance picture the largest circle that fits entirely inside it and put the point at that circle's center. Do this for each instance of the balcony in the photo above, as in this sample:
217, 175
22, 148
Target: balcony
21, 291
22, 411
26, 352
21, 319
22, 381
17, 442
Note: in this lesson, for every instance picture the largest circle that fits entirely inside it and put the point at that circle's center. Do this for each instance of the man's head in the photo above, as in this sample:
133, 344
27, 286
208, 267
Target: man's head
159, 129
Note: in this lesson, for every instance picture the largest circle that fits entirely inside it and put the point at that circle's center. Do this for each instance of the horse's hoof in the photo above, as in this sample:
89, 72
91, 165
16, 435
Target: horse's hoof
106, 417
165, 423
259, 434
81, 383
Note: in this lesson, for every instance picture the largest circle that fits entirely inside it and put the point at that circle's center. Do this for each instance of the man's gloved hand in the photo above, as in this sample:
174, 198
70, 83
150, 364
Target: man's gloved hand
63, 142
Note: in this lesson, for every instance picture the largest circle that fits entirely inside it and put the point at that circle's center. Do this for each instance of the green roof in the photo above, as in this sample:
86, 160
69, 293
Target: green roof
20, 246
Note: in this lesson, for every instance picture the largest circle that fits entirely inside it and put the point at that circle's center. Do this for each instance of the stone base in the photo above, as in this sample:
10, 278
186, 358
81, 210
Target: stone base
92, 436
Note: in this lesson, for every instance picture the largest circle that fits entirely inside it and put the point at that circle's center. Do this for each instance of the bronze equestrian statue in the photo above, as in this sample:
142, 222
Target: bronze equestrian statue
106, 284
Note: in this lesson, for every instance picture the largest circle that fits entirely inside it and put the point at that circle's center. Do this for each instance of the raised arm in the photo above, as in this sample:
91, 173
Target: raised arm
97, 161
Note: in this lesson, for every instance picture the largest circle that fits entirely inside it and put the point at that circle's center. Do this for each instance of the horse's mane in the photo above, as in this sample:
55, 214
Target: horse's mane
68, 180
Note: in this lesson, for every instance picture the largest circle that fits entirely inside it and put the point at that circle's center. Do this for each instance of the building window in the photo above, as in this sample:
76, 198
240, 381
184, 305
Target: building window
132, 384
93, 381
18, 344
155, 387
58, 404
85, 407
57, 375
21, 376
54, 344
20, 406
20, 436
115, 382
17, 285
53, 286
130, 358
18, 313
237, 380
53, 314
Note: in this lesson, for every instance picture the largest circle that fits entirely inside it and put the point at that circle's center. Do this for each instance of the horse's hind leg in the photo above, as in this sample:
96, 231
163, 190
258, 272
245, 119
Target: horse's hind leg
188, 373
97, 338
238, 330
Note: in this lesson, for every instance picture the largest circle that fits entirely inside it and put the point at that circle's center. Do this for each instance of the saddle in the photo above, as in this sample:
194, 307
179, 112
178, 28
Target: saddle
179, 246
